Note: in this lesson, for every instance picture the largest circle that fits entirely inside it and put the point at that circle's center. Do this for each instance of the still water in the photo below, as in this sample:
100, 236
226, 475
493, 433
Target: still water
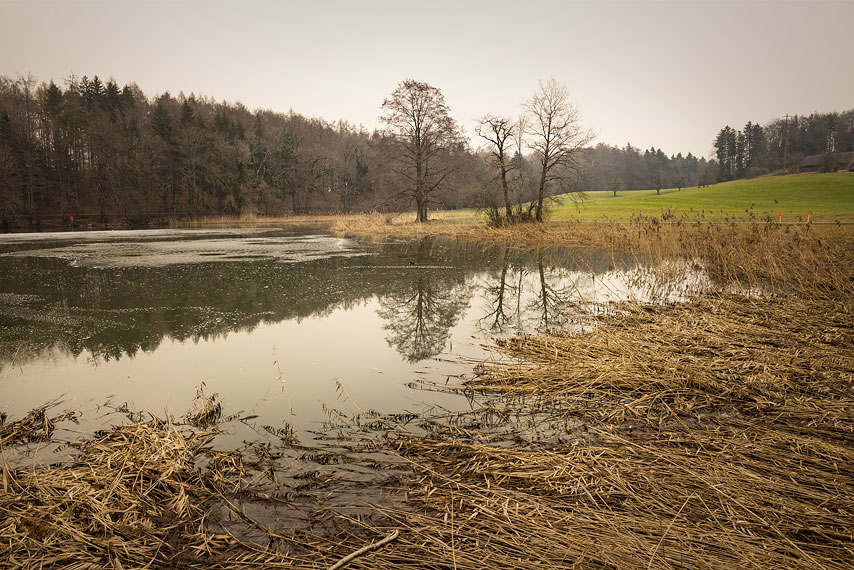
288, 328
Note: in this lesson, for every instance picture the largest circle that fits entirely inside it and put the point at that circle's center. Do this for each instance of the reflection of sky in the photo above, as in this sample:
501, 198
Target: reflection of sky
535, 298
243, 368
294, 362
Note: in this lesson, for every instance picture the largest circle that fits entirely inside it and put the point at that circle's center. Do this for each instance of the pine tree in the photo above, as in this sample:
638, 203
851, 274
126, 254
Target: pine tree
740, 155
161, 123
53, 99
187, 115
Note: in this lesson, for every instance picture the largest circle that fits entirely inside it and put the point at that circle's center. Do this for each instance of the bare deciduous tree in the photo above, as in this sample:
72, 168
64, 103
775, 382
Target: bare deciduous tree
418, 120
499, 132
556, 137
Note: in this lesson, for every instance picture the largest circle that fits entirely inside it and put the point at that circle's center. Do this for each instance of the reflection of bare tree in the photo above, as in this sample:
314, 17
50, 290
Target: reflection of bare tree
552, 304
420, 314
500, 294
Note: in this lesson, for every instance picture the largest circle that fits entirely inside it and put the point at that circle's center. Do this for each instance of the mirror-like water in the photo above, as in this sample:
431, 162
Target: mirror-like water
283, 327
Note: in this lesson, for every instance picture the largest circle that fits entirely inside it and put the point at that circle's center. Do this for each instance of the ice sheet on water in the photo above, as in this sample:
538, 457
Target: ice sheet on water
134, 235
177, 247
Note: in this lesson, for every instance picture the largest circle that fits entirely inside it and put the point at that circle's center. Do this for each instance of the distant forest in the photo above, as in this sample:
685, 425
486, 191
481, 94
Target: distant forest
94, 148
782, 144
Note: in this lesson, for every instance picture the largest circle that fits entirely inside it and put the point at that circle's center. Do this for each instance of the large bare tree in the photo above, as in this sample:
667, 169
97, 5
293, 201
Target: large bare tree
556, 137
419, 122
499, 132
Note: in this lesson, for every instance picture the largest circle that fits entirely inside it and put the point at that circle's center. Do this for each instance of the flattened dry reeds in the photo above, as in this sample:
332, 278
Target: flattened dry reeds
136, 497
35, 426
738, 496
124, 503
717, 435
783, 357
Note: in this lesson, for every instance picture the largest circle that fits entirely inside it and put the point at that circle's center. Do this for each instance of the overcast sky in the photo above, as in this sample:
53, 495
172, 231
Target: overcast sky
663, 74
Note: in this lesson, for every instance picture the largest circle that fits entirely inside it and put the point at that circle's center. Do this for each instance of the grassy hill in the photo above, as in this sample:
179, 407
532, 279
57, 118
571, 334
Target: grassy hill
829, 196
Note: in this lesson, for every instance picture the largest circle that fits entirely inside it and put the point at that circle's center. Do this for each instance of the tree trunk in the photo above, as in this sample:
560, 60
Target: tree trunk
507, 208
422, 208
540, 195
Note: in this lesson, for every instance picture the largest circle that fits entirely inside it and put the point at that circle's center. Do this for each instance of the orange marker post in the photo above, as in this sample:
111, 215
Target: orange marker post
809, 215
781, 216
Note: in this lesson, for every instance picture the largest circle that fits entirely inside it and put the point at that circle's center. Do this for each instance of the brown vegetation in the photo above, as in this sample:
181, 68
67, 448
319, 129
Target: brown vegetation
813, 260
714, 434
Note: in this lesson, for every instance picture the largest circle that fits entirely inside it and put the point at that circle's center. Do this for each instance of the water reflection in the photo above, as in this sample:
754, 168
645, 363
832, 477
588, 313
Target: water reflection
420, 312
531, 292
51, 300
55, 298
500, 295
276, 327
556, 288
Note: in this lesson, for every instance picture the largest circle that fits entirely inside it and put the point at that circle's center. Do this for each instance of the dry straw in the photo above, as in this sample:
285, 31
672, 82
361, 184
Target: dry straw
136, 498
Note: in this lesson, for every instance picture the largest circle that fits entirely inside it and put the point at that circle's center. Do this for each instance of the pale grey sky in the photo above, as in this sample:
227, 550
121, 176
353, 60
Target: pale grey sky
663, 74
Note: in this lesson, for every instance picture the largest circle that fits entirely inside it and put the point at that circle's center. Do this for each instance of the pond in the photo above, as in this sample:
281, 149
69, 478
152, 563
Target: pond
288, 328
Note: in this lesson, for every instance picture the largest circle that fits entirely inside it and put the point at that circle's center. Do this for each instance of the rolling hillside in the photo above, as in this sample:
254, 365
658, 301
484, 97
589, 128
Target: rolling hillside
830, 197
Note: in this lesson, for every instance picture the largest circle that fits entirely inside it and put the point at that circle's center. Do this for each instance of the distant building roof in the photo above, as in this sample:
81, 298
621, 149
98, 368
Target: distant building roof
827, 162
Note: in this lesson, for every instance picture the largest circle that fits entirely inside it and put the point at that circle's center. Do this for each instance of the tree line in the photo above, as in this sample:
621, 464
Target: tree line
781, 144
612, 168
98, 148
95, 148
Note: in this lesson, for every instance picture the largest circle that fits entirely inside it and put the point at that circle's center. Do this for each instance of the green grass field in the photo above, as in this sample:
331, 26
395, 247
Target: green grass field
830, 197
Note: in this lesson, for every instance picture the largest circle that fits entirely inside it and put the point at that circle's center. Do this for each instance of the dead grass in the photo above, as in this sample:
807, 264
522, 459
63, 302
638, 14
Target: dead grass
249, 220
35, 426
137, 497
735, 496
728, 354
710, 435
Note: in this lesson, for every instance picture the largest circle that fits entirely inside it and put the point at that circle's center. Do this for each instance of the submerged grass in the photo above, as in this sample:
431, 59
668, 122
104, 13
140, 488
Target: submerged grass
137, 497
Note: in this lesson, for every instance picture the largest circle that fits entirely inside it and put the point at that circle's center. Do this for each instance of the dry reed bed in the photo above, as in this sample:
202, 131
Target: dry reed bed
137, 497
716, 435
807, 259
131, 500
719, 354
739, 496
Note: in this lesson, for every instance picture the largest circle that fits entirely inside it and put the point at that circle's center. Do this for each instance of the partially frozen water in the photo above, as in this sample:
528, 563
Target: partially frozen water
170, 247
285, 328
